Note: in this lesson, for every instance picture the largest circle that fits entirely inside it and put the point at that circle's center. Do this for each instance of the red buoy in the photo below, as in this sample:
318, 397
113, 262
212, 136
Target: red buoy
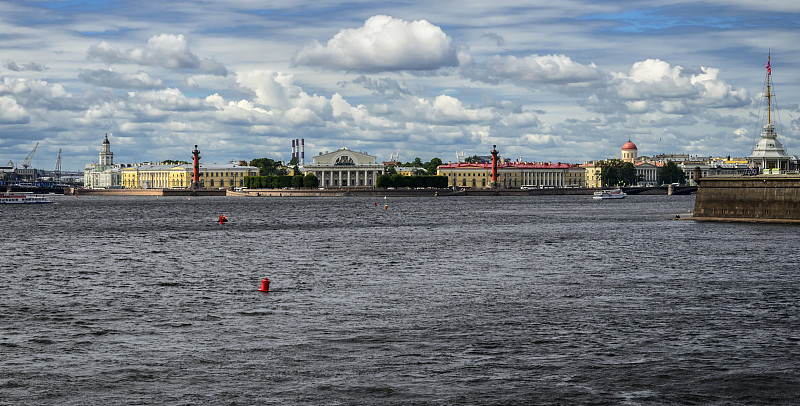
264, 285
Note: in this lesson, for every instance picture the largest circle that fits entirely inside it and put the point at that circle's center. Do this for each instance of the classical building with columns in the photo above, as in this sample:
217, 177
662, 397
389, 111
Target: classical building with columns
345, 168
514, 175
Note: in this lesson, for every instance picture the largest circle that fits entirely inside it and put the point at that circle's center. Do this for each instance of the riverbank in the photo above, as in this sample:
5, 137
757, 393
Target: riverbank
663, 190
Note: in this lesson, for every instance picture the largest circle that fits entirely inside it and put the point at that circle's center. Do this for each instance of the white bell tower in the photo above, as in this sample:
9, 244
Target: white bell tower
106, 156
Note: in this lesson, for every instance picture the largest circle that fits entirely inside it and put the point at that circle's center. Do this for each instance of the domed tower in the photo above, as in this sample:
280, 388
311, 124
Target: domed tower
769, 153
629, 152
106, 156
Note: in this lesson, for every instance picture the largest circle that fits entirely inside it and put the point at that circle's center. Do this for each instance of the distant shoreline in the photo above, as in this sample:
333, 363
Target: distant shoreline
366, 192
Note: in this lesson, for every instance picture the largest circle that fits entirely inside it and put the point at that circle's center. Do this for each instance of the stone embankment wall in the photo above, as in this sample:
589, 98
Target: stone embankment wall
144, 192
750, 198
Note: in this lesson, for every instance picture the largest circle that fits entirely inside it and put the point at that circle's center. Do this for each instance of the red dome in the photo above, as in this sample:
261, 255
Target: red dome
629, 145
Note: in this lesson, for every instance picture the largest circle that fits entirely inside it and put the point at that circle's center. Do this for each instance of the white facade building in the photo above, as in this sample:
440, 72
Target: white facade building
106, 173
345, 168
647, 173
769, 152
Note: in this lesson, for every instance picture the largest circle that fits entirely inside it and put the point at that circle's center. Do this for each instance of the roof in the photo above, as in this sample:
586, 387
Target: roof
629, 145
510, 165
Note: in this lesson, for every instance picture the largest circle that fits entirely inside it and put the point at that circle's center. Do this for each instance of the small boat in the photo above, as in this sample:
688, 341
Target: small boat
609, 194
22, 198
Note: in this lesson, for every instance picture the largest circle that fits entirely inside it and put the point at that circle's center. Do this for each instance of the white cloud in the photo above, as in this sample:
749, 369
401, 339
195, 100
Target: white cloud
112, 79
533, 70
383, 43
167, 100
654, 79
540, 139
443, 110
165, 50
11, 112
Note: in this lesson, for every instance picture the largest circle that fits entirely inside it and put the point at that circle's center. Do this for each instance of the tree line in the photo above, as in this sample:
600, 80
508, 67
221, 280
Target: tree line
418, 181
616, 172
281, 181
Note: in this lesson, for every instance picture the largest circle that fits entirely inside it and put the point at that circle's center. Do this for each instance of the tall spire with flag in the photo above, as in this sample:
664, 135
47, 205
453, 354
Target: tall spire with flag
769, 92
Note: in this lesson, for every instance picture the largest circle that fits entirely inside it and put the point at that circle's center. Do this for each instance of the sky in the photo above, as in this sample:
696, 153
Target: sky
567, 81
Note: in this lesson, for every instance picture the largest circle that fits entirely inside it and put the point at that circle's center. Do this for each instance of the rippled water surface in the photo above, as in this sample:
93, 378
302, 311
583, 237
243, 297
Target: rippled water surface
495, 300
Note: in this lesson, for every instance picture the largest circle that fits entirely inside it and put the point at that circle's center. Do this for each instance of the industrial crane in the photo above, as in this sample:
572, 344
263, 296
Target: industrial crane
27, 162
57, 170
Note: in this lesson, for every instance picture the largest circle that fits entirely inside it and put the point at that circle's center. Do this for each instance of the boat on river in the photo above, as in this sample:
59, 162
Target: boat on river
609, 194
22, 198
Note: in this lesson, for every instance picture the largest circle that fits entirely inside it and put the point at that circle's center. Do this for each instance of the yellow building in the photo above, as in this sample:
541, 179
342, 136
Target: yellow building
180, 176
592, 174
514, 175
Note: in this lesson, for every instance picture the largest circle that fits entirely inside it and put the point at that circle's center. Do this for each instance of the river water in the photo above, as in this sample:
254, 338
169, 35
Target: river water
449, 300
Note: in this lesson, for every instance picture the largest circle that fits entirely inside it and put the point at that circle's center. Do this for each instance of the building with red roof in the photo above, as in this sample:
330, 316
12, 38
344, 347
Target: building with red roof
514, 175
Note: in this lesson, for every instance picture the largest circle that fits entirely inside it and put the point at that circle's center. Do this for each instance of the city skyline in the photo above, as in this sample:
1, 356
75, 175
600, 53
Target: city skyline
567, 82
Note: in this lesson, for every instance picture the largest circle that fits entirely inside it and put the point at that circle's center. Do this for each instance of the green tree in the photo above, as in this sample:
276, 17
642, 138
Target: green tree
297, 181
174, 162
391, 170
616, 172
473, 160
671, 173
398, 180
310, 180
432, 166
268, 167
284, 181
627, 173
384, 180
294, 161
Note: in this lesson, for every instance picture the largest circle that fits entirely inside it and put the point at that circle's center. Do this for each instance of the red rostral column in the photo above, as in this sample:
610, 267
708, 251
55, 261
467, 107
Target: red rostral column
494, 165
196, 167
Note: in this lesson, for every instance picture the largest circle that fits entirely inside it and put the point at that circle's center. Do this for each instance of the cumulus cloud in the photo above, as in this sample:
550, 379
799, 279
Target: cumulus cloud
165, 50
167, 100
654, 79
109, 78
383, 43
534, 70
38, 94
11, 112
656, 89
443, 110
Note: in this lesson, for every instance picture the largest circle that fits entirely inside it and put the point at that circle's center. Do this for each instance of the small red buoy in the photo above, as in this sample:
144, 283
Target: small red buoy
264, 285
376, 204
222, 219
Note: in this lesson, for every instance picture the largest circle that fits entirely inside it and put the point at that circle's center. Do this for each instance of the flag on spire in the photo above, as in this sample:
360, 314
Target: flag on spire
769, 70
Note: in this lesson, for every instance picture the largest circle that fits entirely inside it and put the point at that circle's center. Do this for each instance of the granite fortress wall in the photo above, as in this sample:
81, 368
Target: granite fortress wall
753, 198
